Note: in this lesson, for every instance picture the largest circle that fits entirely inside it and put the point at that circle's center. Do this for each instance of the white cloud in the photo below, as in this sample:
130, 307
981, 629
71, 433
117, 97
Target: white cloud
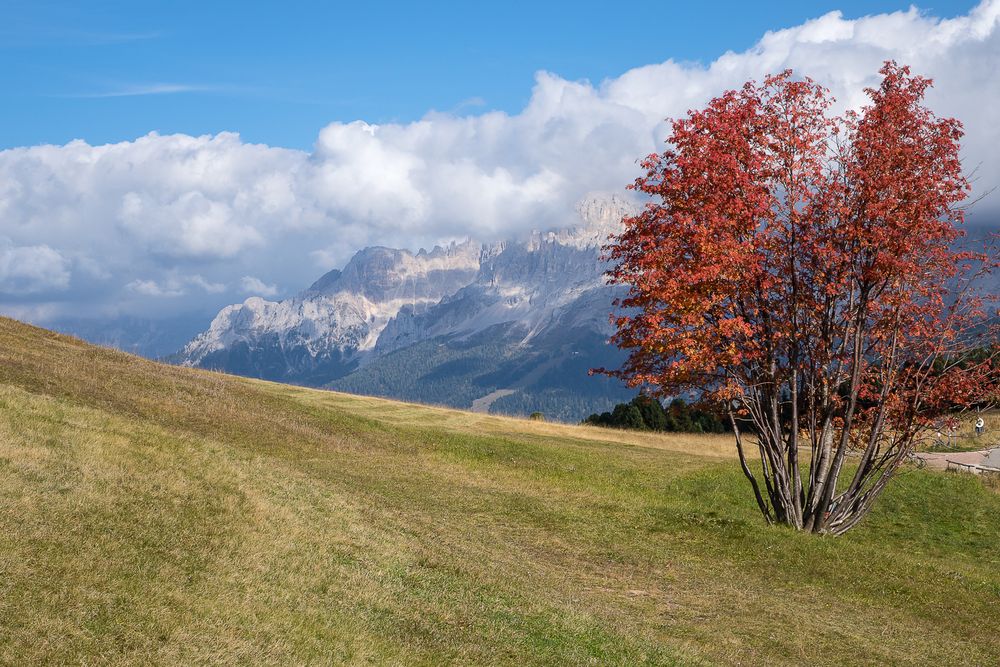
186, 225
152, 288
174, 287
208, 287
144, 214
31, 269
257, 287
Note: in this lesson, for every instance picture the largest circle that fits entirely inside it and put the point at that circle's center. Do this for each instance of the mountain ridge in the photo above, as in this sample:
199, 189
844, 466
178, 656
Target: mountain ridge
505, 308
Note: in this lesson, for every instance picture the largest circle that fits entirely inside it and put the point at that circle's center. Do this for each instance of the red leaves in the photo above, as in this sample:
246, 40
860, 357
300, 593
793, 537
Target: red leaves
802, 270
783, 240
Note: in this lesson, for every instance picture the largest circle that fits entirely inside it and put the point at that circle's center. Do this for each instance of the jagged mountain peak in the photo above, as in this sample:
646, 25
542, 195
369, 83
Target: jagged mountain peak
604, 210
383, 300
378, 272
326, 283
599, 216
340, 316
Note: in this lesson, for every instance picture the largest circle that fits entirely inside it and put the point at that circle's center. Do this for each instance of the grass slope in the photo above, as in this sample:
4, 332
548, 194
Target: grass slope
151, 514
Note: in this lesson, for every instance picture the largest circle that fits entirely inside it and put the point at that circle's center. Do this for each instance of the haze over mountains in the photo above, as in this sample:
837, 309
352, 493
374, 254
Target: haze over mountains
509, 327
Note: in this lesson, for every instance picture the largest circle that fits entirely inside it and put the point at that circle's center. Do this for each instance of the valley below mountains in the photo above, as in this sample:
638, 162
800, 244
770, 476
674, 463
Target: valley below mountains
510, 327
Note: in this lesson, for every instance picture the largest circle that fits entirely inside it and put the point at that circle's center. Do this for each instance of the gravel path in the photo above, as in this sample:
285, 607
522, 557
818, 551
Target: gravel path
939, 460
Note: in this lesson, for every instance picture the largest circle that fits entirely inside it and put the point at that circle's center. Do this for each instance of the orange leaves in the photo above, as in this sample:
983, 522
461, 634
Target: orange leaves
782, 239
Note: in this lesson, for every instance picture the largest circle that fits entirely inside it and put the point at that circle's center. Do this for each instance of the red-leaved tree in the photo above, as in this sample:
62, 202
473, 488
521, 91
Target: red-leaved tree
803, 272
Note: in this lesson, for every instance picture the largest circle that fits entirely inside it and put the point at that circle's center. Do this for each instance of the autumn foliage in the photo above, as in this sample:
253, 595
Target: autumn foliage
805, 273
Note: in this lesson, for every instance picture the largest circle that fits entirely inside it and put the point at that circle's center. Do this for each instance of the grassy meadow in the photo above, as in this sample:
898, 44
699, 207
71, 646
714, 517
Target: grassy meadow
159, 515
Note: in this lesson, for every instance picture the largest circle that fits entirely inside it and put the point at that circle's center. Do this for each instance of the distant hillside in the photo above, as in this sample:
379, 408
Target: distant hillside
493, 370
154, 514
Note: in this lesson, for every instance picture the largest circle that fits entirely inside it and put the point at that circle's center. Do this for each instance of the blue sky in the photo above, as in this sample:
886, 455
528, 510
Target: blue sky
241, 166
107, 71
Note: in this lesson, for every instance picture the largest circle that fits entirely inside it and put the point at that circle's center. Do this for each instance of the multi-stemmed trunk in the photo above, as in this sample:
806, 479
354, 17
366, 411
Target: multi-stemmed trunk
806, 442
809, 501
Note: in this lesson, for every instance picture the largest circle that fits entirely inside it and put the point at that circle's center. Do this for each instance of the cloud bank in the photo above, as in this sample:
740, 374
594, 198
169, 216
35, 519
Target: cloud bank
165, 224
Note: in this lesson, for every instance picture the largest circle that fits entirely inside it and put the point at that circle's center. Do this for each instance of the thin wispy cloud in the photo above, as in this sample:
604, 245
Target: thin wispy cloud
468, 104
36, 36
138, 90
118, 37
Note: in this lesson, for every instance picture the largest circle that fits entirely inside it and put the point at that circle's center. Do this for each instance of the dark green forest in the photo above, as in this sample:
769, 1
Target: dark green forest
645, 413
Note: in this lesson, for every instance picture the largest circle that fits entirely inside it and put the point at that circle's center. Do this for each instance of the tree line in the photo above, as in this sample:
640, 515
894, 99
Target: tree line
645, 413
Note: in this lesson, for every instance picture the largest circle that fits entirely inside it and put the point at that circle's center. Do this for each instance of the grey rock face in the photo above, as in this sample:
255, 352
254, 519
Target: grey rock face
475, 319
553, 278
327, 328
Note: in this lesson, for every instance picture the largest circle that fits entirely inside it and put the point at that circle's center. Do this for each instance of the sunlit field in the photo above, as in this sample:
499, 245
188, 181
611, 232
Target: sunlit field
153, 514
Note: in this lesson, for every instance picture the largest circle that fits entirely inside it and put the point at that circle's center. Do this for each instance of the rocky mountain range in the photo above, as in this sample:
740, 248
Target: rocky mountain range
508, 327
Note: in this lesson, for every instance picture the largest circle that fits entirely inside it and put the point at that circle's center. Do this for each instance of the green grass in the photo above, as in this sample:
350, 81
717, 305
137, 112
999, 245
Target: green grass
151, 514
965, 438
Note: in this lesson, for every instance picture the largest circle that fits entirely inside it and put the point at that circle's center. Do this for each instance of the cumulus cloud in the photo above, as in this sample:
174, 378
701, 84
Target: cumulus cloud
257, 287
185, 225
174, 287
152, 288
109, 224
31, 269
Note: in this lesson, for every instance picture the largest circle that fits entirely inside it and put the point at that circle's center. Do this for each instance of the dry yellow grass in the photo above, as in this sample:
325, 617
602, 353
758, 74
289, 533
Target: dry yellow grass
151, 514
461, 421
